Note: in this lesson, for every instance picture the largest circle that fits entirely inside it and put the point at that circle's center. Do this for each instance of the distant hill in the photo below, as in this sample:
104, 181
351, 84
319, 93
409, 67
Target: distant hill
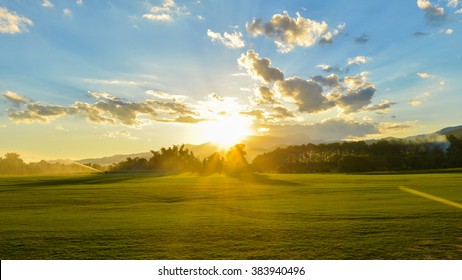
455, 130
256, 145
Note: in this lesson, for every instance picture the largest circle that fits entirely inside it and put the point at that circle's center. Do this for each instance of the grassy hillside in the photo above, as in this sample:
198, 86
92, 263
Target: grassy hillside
218, 217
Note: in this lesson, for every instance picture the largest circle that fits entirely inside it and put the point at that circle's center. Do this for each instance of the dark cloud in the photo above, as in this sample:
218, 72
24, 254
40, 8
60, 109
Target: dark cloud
362, 39
355, 100
419, 34
383, 106
330, 81
260, 67
265, 96
283, 113
308, 95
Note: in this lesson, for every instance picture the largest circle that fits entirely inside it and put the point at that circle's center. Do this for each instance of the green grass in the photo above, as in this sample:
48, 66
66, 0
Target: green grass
143, 216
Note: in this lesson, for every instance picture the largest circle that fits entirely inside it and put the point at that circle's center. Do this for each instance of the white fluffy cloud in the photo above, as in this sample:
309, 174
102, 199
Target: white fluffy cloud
47, 4
230, 40
433, 13
259, 68
289, 32
358, 60
12, 23
166, 12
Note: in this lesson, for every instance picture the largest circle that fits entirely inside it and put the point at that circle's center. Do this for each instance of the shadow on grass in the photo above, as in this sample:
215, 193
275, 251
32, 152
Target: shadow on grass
93, 179
260, 179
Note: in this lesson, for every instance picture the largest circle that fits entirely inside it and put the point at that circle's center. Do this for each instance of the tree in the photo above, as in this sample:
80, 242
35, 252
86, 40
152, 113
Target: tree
236, 161
212, 164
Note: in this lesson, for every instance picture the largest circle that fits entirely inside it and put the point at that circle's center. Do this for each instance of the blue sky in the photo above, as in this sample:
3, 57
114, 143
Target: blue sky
93, 78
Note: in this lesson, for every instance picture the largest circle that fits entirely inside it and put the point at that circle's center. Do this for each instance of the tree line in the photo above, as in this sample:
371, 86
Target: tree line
359, 156
13, 164
178, 159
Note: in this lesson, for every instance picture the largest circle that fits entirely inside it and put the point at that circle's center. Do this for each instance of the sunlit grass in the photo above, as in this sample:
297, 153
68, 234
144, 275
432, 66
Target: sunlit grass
145, 216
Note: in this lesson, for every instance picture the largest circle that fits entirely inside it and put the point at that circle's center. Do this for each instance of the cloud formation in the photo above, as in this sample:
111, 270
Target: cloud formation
166, 12
11, 23
15, 98
306, 94
289, 32
319, 93
230, 40
434, 14
259, 68
108, 109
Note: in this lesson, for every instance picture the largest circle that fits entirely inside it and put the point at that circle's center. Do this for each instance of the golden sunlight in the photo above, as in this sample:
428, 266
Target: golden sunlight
226, 131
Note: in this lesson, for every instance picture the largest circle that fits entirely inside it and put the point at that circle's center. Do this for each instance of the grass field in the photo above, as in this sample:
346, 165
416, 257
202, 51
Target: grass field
315, 216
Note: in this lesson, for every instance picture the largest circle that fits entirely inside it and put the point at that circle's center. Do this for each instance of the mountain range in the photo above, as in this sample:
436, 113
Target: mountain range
256, 145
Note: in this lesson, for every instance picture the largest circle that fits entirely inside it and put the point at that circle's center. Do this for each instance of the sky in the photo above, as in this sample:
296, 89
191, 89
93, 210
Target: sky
95, 78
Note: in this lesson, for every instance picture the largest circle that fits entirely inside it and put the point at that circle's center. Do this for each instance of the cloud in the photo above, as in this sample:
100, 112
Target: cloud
166, 12
329, 37
112, 82
79, 2
383, 106
453, 3
448, 31
334, 129
283, 113
120, 134
458, 11
215, 96
47, 4
362, 39
163, 95
419, 100
259, 68
108, 109
15, 98
328, 68
67, 12
37, 112
183, 119
306, 94
423, 75
265, 96
388, 128
289, 32
419, 34
434, 14
358, 60
232, 41
12, 23
356, 99
330, 81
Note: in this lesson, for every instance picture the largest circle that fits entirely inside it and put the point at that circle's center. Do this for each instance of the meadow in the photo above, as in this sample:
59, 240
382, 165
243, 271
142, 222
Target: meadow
309, 216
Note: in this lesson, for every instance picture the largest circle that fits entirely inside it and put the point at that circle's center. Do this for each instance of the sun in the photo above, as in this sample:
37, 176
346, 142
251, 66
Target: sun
226, 131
